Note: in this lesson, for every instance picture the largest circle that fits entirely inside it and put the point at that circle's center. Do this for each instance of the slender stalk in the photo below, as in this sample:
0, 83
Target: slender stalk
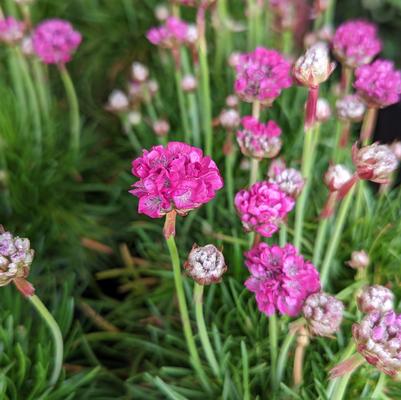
287, 42
283, 235
346, 79
245, 372
368, 125
194, 117
229, 181
329, 13
320, 240
182, 105
56, 334
254, 174
379, 386
202, 330
16, 78
41, 87
273, 339
283, 356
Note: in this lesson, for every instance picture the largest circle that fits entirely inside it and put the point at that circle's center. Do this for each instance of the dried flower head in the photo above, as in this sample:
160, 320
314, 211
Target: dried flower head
161, 127
289, 180
359, 260
189, 83
139, 72
323, 110
350, 108
11, 30
205, 265
336, 176
118, 101
229, 119
375, 298
323, 313
280, 278
170, 35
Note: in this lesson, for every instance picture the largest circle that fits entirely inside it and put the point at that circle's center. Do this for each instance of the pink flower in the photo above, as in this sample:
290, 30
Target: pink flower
280, 278
55, 40
176, 177
11, 30
379, 84
259, 140
289, 180
261, 75
356, 43
263, 207
173, 33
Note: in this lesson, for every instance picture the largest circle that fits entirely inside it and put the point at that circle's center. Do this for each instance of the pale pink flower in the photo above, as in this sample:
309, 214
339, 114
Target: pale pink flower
229, 118
336, 177
161, 127
189, 83
289, 180
280, 278
173, 33
359, 260
375, 298
350, 108
11, 30
323, 110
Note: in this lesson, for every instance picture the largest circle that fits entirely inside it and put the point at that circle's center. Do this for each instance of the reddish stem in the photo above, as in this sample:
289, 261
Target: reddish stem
330, 205
348, 186
310, 113
368, 125
344, 139
169, 224
25, 288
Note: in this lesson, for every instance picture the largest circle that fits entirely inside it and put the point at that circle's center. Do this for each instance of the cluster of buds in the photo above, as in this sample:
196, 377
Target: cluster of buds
375, 298
289, 180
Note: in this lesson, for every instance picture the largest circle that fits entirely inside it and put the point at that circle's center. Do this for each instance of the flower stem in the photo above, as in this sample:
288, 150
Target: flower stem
283, 235
346, 79
254, 174
320, 239
368, 125
181, 103
57, 337
273, 338
202, 330
229, 175
379, 386
302, 343
287, 42
283, 356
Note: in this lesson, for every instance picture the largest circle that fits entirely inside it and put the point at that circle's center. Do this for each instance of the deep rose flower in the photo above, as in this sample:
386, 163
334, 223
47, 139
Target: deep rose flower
258, 140
356, 43
176, 177
263, 207
379, 84
375, 298
55, 41
289, 180
280, 278
173, 33
261, 75
11, 30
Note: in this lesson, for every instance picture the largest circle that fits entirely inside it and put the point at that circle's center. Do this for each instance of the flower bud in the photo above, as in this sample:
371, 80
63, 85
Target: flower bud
189, 83
205, 265
232, 101
118, 101
323, 110
336, 176
359, 260
161, 12
134, 118
153, 87
139, 72
350, 108
375, 298
161, 127
229, 119
27, 46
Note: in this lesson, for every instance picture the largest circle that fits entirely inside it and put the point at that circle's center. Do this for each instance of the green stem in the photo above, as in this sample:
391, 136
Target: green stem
41, 87
245, 372
329, 14
379, 386
194, 116
254, 174
229, 182
202, 330
57, 337
181, 103
283, 357
320, 239
273, 338
287, 42
283, 235
341, 387
16, 78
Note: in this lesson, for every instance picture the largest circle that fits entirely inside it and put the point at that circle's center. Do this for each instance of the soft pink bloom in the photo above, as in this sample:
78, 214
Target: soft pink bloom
285, 12
55, 41
280, 278
379, 83
356, 43
259, 140
350, 108
11, 30
176, 177
173, 33
359, 259
261, 75
289, 180
263, 207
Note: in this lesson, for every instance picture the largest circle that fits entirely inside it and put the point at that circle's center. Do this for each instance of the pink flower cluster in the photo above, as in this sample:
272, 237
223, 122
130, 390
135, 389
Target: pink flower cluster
176, 177
379, 84
356, 43
169, 35
280, 278
261, 75
259, 140
11, 30
263, 207
55, 41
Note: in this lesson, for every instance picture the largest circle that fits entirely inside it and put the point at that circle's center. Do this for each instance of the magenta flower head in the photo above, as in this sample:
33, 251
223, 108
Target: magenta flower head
11, 30
55, 41
170, 35
280, 278
379, 83
174, 178
263, 207
356, 43
258, 140
261, 75
289, 180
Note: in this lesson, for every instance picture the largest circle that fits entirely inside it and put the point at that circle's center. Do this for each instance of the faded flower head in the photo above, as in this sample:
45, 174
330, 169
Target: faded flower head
117, 102
289, 180
285, 12
161, 127
378, 340
359, 260
258, 140
350, 108
229, 118
176, 177
356, 43
139, 72
55, 41
173, 33
11, 30
205, 265
189, 83
261, 75
280, 278
263, 207
375, 298
323, 110
336, 176
379, 83
314, 67
324, 314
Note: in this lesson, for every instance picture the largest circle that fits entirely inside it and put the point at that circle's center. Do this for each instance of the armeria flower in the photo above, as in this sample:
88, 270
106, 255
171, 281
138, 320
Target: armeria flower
176, 177
323, 313
289, 180
232, 101
205, 265
359, 260
285, 12
262, 75
258, 140
161, 127
55, 41
323, 110
350, 108
11, 30
378, 340
117, 102
139, 72
356, 43
189, 83
172, 34
280, 278
162, 12
229, 118
375, 298
263, 207
379, 84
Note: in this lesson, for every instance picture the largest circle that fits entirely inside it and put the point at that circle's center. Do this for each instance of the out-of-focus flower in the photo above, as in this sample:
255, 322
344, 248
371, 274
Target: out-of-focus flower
162, 12
11, 30
261, 75
55, 41
192, 35
379, 83
323, 110
375, 298
289, 180
176, 177
234, 59
153, 87
139, 72
205, 265
285, 12
336, 177
170, 35
258, 140
161, 127
280, 278
189, 83
134, 118
396, 148
263, 207
356, 43
350, 108
27, 46
323, 313
118, 101
229, 119
232, 101
359, 260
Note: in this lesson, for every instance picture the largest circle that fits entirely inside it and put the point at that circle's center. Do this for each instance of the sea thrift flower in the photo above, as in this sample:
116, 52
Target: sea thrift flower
375, 298
170, 35
258, 140
162, 12
359, 260
289, 180
285, 12
323, 313
280, 278
55, 41
350, 108
139, 72
261, 75
229, 119
176, 177
323, 110
27, 46
11, 30
134, 118
234, 59
232, 101
379, 84
205, 265
161, 127
189, 83
263, 207
356, 43
117, 102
